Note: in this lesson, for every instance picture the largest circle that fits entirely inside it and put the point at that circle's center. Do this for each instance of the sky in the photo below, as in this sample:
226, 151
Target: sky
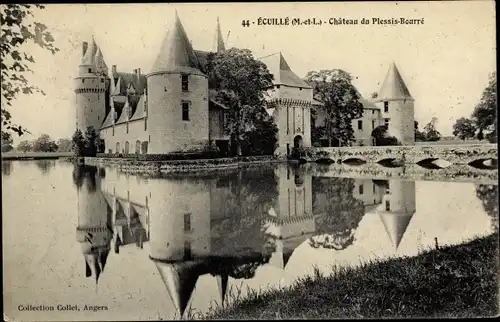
445, 61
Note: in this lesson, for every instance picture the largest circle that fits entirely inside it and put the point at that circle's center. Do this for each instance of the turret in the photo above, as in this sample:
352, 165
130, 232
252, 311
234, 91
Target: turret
219, 40
94, 221
90, 88
291, 221
290, 101
177, 96
397, 209
397, 107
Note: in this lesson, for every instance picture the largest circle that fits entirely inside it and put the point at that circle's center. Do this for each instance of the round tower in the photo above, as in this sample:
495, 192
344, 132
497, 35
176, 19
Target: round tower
397, 107
177, 97
94, 221
397, 208
90, 88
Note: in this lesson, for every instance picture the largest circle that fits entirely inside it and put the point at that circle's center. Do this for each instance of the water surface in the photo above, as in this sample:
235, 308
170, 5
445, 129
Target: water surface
148, 247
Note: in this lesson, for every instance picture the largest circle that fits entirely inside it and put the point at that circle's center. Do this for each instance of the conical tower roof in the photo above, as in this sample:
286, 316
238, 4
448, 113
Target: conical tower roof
394, 86
283, 74
395, 225
89, 56
219, 40
100, 63
176, 53
180, 280
222, 281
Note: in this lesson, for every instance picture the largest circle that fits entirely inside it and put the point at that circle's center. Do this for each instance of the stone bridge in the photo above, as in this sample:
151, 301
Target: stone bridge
466, 154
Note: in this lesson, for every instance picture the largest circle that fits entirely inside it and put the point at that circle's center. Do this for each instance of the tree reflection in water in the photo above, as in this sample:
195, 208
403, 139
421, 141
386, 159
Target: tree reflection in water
337, 212
6, 168
488, 194
45, 165
239, 238
80, 172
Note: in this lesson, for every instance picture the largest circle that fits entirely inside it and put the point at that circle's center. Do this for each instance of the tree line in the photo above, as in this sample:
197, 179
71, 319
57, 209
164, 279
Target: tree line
44, 143
482, 124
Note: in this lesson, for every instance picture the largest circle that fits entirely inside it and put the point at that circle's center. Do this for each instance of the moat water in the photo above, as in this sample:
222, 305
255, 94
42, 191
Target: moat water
136, 247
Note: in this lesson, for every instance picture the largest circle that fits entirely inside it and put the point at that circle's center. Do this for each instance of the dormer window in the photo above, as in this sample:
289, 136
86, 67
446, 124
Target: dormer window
185, 82
300, 88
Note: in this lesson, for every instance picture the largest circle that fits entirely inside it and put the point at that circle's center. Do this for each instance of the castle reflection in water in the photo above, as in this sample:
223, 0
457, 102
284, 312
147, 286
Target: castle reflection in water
228, 223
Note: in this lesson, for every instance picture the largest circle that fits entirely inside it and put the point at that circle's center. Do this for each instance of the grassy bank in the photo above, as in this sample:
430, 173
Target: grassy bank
455, 281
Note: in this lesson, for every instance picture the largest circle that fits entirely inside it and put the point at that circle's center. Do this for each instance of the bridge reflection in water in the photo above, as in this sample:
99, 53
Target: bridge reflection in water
229, 223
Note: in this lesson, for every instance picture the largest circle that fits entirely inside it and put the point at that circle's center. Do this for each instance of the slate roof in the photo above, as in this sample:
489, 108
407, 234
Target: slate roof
219, 40
283, 75
125, 79
89, 56
394, 86
180, 280
212, 99
139, 112
176, 52
123, 115
108, 121
395, 225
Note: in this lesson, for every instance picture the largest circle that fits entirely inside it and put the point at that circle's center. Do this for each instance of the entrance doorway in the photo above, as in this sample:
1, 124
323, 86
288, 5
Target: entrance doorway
297, 142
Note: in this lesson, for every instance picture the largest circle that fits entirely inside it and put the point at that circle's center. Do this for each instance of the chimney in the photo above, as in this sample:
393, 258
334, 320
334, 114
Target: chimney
138, 75
85, 45
113, 69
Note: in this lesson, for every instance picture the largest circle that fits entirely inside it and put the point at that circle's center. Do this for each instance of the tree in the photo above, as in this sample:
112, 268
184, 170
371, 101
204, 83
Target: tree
340, 103
240, 82
338, 218
7, 142
382, 137
25, 146
18, 29
488, 194
44, 144
464, 128
92, 142
64, 145
430, 132
485, 112
78, 143
419, 136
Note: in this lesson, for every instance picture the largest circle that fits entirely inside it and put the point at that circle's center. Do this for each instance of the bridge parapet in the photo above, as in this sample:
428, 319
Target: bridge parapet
454, 154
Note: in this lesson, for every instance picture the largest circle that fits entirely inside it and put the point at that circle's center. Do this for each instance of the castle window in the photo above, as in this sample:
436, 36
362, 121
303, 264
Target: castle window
90, 70
386, 107
386, 122
187, 222
102, 80
300, 88
361, 191
185, 82
360, 125
387, 205
373, 125
145, 124
165, 88
373, 111
127, 127
277, 86
83, 81
187, 250
185, 111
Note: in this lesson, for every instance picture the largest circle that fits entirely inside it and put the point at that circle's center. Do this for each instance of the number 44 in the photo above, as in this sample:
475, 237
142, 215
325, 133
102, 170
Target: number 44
245, 23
